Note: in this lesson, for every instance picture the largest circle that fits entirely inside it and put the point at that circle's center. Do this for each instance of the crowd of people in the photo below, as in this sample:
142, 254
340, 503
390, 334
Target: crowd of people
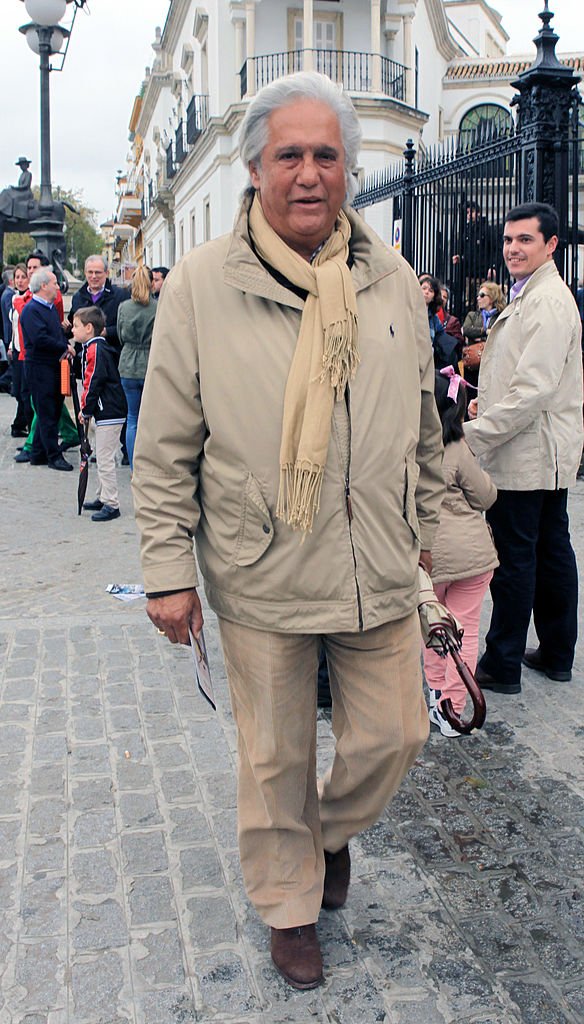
309, 419
107, 346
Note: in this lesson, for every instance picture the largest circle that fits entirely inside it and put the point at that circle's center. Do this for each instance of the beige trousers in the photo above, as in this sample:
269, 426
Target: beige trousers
107, 438
380, 722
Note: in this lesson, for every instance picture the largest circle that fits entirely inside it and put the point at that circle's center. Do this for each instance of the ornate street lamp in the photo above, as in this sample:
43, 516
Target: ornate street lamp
45, 37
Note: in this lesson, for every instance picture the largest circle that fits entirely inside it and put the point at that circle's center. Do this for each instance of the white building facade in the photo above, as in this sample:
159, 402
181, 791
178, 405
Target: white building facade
416, 69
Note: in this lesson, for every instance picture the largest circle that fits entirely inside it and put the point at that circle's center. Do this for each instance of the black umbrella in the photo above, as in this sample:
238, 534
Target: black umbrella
443, 634
84, 446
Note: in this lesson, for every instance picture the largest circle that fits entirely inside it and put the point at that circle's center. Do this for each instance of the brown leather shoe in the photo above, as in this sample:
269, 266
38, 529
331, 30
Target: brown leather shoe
337, 875
296, 955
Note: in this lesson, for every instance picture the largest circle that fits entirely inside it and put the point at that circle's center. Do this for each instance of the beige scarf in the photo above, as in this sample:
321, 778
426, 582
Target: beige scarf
324, 361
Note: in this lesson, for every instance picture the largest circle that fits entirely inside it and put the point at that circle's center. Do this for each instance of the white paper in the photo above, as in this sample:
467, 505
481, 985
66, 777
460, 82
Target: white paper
202, 671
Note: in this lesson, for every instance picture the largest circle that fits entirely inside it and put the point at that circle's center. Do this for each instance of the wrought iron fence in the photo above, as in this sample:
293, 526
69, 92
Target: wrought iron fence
449, 205
180, 142
353, 69
197, 117
170, 164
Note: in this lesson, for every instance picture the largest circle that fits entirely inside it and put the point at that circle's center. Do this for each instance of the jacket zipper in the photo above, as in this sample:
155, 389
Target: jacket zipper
349, 507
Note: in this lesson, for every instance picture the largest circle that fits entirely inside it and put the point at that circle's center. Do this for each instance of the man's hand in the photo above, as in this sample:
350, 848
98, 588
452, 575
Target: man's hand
425, 561
66, 325
456, 259
473, 408
172, 615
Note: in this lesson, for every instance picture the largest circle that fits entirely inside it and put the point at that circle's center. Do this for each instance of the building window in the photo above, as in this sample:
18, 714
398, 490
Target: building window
181, 238
327, 30
193, 230
160, 253
482, 118
207, 217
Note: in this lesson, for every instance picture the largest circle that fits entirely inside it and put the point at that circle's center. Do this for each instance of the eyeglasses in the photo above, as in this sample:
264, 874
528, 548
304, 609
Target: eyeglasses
482, 295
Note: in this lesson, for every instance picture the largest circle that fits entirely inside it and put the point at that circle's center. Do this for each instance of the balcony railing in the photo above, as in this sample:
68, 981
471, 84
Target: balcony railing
180, 142
352, 69
170, 164
197, 117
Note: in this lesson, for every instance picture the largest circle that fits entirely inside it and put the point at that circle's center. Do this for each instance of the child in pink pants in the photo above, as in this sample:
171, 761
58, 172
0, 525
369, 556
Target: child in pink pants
463, 553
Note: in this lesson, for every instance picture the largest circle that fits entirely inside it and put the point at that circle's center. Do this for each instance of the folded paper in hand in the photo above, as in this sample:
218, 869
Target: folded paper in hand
202, 672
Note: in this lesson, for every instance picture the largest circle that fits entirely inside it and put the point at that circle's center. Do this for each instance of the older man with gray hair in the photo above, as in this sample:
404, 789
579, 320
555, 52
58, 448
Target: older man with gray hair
288, 425
98, 290
45, 345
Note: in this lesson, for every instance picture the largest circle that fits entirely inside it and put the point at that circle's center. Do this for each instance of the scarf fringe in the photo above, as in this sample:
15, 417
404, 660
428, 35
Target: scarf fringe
299, 495
341, 355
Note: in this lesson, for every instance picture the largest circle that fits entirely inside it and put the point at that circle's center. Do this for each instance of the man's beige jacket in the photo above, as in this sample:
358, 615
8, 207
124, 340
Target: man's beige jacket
529, 430
207, 455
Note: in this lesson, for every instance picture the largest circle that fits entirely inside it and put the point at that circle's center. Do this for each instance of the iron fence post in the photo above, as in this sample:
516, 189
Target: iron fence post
408, 203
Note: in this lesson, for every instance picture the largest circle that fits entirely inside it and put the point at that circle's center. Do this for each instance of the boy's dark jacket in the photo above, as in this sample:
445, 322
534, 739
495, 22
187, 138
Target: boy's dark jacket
103, 396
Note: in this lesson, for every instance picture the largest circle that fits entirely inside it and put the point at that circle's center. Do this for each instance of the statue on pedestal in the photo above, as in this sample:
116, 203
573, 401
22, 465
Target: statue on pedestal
14, 200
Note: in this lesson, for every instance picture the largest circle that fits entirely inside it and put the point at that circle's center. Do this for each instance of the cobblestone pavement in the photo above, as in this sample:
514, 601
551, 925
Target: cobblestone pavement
121, 899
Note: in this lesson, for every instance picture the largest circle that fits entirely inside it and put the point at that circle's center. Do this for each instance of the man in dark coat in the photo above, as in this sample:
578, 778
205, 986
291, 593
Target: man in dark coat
45, 345
99, 291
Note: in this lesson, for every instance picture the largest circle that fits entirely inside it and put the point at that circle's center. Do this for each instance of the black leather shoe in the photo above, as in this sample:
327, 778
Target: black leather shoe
296, 955
105, 514
18, 433
533, 659
61, 464
22, 457
337, 875
40, 460
93, 506
487, 682
65, 446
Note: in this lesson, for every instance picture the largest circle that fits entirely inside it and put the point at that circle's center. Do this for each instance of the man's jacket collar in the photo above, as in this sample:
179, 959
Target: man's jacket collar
242, 268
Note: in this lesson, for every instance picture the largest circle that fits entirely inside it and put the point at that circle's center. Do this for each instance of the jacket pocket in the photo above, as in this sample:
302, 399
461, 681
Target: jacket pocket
412, 474
256, 530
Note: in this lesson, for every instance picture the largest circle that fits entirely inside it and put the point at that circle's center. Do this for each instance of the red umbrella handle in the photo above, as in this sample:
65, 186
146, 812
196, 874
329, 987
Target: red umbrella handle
476, 694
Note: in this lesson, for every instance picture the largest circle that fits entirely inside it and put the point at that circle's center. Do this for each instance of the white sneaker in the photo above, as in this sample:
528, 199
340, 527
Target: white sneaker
434, 696
437, 718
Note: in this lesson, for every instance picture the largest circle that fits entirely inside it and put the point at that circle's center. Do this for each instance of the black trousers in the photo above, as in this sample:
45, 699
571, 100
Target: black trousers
45, 389
537, 573
22, 420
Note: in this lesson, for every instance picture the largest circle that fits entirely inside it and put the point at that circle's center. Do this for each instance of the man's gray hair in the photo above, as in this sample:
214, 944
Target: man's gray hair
304, 85
99, 257
41, 277
8, 276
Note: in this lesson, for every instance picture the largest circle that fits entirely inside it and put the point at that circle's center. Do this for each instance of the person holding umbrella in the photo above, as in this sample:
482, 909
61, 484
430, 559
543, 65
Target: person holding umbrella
103, 398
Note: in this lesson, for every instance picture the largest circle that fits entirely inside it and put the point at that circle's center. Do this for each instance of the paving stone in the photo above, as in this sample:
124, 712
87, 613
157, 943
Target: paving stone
497, 944
151, 900
40, 970
211, 921
9, 832
167, 1005
160, 726
132, 775
88, 728
47, 817
145, 853
170, 755
536, 1004
96, 986
46, 856
41, 906
100, 926
94, 828
90, 759
13, 739
50, 748
188, 825
124, 719
179, 785
121, 694
91, 794
225, 986
20, 689
159, 957
139, 810
200, 868
95, 872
